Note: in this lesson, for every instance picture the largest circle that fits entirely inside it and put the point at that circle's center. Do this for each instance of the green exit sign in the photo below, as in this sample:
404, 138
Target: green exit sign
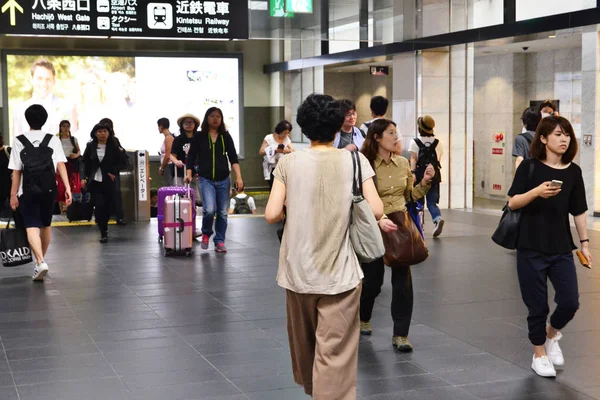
277, 9
299, 6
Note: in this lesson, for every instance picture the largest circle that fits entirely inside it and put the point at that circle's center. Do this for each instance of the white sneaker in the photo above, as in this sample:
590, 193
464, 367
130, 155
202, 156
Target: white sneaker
437, 227
553, 350
543, 367
40, 271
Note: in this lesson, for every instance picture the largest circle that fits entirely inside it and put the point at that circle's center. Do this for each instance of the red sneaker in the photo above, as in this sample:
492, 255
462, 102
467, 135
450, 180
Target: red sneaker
205, 241
220, 247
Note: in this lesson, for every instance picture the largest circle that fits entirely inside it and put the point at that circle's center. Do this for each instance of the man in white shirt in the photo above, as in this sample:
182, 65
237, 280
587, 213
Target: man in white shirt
379, 106
349, 137
36, 208
245, 204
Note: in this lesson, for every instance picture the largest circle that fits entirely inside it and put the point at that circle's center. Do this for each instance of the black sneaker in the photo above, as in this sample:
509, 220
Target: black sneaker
104, 238
121, 222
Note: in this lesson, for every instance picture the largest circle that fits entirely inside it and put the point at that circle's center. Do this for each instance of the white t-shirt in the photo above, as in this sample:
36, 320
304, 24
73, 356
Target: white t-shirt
272, 142
68, 146
251, 203
414, 147
101, 152
35, 137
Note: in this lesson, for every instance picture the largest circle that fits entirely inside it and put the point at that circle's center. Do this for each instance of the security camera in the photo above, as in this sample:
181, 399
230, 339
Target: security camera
525, 48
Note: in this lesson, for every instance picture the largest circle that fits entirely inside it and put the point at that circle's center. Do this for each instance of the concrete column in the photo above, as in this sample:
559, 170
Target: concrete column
300, 84
404, 96
590, 115
435, 101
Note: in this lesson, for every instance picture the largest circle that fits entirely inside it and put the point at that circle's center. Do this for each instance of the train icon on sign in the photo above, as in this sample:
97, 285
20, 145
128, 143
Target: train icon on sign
160, 16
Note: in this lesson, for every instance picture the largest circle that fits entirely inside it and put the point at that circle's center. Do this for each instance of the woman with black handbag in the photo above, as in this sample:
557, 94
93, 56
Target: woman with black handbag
319, 267
394, 183
546, 194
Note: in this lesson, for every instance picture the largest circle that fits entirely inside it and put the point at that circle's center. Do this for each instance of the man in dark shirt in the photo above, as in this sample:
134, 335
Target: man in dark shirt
531, 118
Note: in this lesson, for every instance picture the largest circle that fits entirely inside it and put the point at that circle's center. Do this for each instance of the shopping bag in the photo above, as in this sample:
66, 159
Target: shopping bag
14, 247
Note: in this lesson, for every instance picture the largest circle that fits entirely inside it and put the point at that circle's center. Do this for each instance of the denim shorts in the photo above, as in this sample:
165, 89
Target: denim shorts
37, 210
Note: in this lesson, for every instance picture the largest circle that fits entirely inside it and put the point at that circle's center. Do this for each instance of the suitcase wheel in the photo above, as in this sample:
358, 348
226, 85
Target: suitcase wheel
160, 239
188, 253
167, 253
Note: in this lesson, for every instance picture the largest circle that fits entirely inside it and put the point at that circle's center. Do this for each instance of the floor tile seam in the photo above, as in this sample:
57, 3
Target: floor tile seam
82, 379
511, 380
212, 365
44, 358
213, 297
12, 376
96, 344
135, 294
110, 365
566, 384
159, 386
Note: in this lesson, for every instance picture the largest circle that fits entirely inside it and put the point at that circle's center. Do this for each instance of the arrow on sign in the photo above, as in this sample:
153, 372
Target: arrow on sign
12, 5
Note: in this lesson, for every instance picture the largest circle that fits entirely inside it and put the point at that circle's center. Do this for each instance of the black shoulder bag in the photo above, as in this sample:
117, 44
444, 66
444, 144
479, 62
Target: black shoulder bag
507, 232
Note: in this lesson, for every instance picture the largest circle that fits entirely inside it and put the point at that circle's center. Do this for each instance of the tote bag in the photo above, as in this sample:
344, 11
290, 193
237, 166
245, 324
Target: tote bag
14, 247
365, 234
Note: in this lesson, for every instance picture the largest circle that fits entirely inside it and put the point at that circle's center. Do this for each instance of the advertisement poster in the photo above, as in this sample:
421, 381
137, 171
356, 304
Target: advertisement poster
134, 92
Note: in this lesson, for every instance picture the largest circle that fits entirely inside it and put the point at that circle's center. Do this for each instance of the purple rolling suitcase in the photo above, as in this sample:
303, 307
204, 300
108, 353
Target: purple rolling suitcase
178, 224
163, 193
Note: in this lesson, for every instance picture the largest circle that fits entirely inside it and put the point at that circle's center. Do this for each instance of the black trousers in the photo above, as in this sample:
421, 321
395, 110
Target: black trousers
534, 270
103, 194
402, 294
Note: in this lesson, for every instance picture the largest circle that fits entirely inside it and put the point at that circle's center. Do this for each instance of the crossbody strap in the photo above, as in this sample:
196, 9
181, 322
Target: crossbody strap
357, 174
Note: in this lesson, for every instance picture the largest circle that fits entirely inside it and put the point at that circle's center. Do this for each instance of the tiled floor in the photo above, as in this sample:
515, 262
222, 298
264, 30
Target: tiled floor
120, 321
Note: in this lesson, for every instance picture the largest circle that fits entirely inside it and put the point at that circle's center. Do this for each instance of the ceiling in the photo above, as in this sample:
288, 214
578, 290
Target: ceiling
533, 43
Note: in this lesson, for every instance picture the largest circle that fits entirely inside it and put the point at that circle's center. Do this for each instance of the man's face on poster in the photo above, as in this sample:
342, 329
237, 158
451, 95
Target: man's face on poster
42, 82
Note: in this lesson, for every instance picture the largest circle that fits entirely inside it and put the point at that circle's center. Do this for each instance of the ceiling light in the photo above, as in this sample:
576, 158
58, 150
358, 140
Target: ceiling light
552, 36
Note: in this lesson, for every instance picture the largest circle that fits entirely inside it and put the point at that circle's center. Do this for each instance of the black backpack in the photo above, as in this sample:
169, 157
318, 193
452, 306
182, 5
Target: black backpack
428, 155
39, 175
241, 206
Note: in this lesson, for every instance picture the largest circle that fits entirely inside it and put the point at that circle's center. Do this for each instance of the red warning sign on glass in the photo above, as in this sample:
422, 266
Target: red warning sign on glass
498, 151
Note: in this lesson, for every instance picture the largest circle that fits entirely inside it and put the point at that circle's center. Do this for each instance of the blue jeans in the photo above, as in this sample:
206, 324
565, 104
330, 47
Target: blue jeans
433, 198
215, 200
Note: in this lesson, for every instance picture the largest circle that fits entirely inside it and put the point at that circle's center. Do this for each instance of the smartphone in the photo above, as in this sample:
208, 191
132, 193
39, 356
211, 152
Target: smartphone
556, 183
281, 147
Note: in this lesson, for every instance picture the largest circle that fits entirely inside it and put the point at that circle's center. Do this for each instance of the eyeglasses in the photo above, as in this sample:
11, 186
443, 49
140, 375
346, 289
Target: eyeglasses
351, 114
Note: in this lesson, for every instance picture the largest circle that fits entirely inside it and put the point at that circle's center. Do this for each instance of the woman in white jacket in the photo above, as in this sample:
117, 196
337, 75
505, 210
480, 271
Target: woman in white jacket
274, 146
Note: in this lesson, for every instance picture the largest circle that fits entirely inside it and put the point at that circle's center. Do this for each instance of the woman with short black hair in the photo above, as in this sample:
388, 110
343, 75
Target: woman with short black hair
317, 264
274, 146
547, 188
102, 163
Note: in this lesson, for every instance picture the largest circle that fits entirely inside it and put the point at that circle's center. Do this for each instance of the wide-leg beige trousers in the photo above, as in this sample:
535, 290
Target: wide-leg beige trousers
323, 332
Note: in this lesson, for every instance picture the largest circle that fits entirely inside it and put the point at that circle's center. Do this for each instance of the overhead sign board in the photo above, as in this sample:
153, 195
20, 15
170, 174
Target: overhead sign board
221, 19
299, 6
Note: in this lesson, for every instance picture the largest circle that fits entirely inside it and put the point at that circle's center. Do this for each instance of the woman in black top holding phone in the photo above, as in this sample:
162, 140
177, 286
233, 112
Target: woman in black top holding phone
548, 187
211, 151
